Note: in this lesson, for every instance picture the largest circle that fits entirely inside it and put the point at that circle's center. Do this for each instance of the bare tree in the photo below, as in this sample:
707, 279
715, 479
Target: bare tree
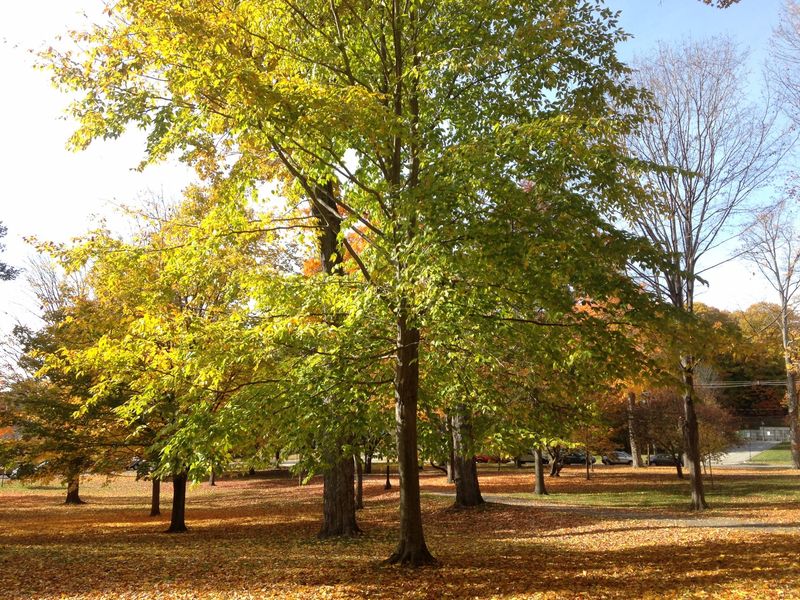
721, 149
784, 66
772, 244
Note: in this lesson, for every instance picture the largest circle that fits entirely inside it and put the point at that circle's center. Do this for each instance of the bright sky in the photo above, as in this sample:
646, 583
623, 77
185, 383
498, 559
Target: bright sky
50, 193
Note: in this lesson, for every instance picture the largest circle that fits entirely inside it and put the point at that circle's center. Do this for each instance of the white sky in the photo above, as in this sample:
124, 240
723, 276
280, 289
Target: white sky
50, 193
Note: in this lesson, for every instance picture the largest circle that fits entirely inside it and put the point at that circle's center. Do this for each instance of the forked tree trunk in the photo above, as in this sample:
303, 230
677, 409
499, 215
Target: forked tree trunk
73, 490
465, 471
691, 433
177, 521
359, 483
636, 452
411, 549
338, 500
155, 498
538, 466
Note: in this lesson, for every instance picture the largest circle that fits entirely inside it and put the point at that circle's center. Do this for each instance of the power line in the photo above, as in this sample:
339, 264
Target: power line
741, 384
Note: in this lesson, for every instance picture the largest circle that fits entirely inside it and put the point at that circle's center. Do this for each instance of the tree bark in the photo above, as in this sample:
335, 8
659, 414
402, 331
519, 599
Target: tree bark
212, 480
155, 498
411, 549
465, 471
555, 466
339, 506
368, 461
177, 522
338, 500
791, 386
538, 466
691, 432
359, 483
73, 490
636, 452
388, 484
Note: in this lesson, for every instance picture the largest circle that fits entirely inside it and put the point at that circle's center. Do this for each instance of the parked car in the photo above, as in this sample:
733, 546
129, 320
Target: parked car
576, 457
26, 470
617, 457
529, 457
663, 460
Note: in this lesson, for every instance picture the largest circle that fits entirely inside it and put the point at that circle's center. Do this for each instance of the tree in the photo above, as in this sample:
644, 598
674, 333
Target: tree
469, 140
180, 289
7, 272
785, 59
55, 433
772, 245
660, 414
721, 149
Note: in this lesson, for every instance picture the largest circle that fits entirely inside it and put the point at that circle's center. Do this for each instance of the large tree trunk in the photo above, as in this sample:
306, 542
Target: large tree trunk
465, 471
359, 483
339, 506
155, 498
538, 466
73, 490
411, 549
794, 417
636, 451
791, 388
691, 432
177, 522
338, 500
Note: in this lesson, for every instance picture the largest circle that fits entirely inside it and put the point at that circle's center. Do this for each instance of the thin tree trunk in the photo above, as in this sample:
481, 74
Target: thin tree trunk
411, 549
73, 490
155, 498
177, 522
691, 433
679, 469
451, 456
359, 483
388, 484
538, 466
465, 471
212, 480
338, 500
368, 461
636, 452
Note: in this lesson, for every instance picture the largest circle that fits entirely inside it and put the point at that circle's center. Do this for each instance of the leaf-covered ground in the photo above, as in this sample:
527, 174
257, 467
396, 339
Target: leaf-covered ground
620, 535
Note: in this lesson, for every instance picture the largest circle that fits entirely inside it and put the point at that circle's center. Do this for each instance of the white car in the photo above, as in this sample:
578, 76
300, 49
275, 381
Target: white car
617, 457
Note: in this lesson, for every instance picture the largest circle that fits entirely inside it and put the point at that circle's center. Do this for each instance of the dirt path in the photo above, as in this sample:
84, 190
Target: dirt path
628, 514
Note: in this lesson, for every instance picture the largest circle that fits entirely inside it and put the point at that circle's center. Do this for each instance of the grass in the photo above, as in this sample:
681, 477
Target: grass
255, 538
777, 455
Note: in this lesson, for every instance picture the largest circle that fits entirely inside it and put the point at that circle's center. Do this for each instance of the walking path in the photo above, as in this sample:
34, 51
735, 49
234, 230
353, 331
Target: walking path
627, 514
740, 455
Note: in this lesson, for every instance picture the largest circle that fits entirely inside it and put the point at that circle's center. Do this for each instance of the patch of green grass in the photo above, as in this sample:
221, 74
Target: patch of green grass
722, 492
777, 455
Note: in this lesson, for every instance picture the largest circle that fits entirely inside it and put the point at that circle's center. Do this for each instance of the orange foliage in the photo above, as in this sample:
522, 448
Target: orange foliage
255, 538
